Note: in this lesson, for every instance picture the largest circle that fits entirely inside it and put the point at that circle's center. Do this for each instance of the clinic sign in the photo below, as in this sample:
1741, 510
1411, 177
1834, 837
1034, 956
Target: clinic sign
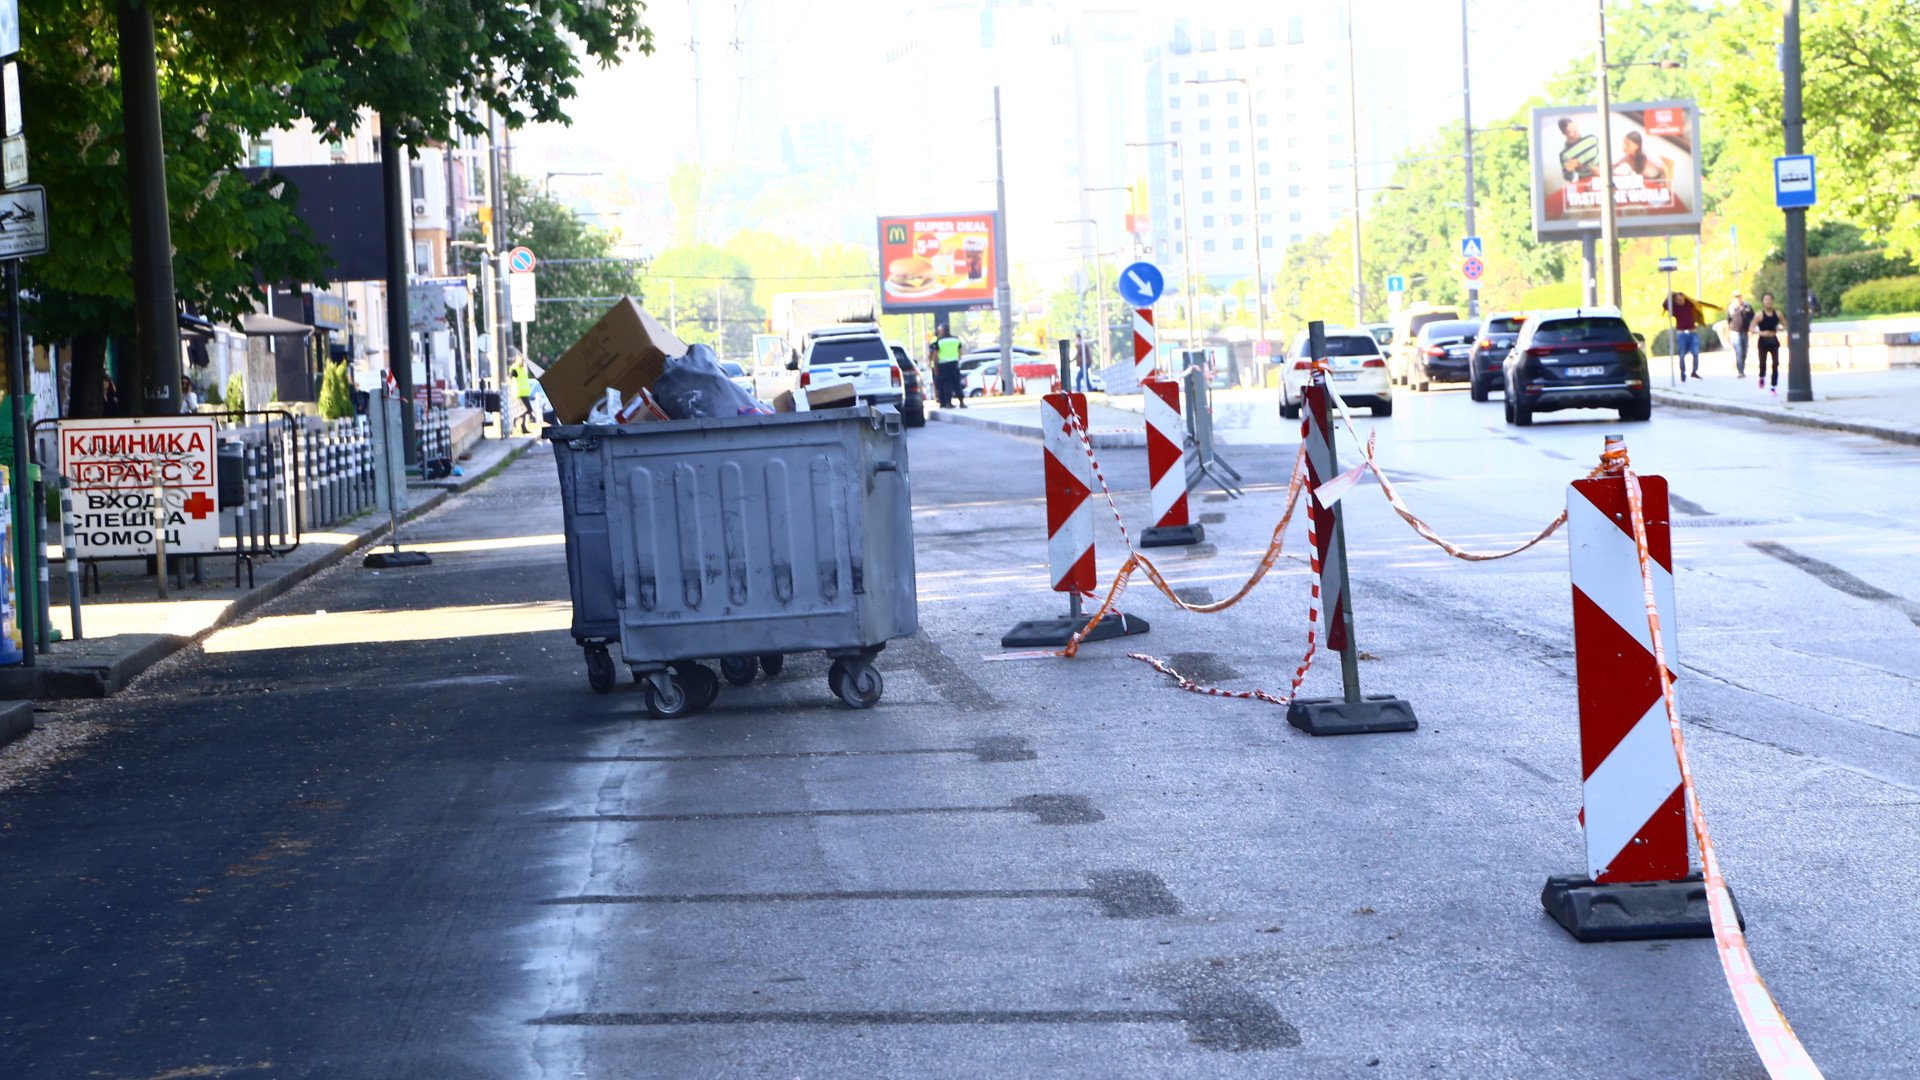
114, 467
1654, 161
938, 262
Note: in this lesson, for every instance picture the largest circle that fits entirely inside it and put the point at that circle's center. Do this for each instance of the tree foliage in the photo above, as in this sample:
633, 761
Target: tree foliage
576, 294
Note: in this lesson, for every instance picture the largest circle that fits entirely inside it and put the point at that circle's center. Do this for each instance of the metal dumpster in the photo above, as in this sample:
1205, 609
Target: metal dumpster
742, 539
583, 499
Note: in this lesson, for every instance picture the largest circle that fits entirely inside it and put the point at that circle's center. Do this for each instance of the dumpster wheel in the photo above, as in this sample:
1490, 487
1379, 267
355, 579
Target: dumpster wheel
599, 669
771, 663
738, 670
702, 685
665, 704
856, 682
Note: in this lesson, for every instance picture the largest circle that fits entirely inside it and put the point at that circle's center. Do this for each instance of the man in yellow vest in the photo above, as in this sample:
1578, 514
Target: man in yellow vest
523, 392
947, 378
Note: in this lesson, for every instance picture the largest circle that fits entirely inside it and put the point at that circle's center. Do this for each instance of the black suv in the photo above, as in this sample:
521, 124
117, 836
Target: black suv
1443, 352
1576, 359
1497, 336
913, 403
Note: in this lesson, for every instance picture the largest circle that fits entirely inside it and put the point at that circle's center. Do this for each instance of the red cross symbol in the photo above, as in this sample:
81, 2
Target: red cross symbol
198, 505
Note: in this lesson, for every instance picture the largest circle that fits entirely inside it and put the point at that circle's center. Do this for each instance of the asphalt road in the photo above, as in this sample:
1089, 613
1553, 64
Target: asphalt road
384, 829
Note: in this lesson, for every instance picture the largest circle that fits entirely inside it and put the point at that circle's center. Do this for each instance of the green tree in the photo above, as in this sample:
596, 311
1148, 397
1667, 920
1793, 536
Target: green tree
706, 293
336, 392
574, 294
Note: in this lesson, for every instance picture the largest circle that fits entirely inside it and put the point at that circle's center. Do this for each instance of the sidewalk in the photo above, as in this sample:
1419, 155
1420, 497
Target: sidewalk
127, 629
1884, 404
1019, 416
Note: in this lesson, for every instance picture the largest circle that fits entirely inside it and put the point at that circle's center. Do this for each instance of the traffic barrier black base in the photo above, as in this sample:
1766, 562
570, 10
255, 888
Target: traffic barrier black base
1172, 535
1372, 714
395, 560
1036, 632
1630, 911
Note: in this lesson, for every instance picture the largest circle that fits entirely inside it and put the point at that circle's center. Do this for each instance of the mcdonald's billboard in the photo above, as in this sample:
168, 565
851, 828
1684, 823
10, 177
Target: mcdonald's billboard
938, 262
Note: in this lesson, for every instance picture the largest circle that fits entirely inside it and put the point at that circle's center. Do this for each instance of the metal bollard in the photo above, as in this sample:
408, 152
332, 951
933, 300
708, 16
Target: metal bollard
240, 518
70, 551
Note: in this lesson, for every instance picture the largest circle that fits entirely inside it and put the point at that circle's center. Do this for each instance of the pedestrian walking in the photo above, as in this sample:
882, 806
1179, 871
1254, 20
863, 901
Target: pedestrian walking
1686, 332
948, 349
523, 393
189, 400
1082, 362
1768, 328
1739, 325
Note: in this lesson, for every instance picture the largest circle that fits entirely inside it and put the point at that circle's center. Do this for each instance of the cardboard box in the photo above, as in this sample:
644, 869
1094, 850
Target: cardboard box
837, 396
783, 402
625, 351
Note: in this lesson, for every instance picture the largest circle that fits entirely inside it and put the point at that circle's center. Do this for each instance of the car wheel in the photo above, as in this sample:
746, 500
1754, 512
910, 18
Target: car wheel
915, 418
1478, 391
1507, 399
1522, 413
1640, 410
1289, 410
1383, 410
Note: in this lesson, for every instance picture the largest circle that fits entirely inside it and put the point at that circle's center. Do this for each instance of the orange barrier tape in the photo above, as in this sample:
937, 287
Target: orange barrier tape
1773, 1038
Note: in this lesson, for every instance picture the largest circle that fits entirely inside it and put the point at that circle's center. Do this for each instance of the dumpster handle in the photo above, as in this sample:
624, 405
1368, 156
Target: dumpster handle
886, 466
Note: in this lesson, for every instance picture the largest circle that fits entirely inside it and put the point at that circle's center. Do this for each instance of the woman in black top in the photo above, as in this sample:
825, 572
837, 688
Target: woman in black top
1767, 328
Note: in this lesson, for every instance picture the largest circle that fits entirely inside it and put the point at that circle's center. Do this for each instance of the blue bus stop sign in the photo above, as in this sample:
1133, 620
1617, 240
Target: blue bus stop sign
1141, 284
1794, 185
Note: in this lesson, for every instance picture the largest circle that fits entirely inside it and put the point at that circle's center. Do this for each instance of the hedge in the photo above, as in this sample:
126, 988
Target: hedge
1830, 276
1887, 296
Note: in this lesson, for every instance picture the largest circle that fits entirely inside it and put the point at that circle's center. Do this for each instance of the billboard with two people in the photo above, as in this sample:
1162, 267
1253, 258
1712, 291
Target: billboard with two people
938, 262
1654, 159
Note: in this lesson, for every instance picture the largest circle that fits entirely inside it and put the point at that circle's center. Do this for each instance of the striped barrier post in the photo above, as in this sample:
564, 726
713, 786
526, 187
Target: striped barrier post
1166, 467
1070, 548
1353, 713
1145, 343
1637, 885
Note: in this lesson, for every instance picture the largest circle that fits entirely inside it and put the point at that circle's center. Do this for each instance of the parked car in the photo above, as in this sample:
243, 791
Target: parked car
1382, 332
1443, 352
981, 380
738, 376
1584, 358
855, 354
913, 382
1407, 324
1497, 335
1358, 372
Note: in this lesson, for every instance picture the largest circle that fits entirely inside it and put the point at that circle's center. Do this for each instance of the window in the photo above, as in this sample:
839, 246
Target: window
1202, 101
1206, 198
1292, 142
1239, 219
1233, 97
1266, 36
1234, 171
1206, 148
1206, 221
1235, 195
1296, 30
1266, 219
1336, 139
422, 258
1206, 172
1266, 241
1293, 166
1173, 79
1174, 126
1176, 198
1295, 216
1205, 124
1176, 175
1179, 248
1266, 192
1208, 42
261, 152
1336, 188
1236, 39
1233, 146
1261, 144
1206, 245
1333, 114
1289, 91
1294, 239
1177, 223
1293, 191
337, 152
1260, 120
1173, 101
1239, 244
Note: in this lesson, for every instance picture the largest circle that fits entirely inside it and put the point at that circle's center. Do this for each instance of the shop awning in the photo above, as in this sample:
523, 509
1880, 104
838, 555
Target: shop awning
273, 326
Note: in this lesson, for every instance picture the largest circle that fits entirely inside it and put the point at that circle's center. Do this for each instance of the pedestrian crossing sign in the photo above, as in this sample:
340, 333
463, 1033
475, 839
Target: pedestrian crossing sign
1470, 248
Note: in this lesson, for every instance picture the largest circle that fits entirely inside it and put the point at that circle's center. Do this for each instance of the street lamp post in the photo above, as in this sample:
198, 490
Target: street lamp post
1353, 144
1259, 267
1186, 235
1099, 290
1609, 229
1466, 128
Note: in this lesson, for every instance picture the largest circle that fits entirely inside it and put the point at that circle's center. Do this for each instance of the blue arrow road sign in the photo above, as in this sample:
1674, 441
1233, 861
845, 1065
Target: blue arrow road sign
1396, 283
1141, 284
1794, 186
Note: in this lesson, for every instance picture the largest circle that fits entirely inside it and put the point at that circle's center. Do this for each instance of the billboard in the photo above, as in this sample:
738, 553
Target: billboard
938, 262
1655, 161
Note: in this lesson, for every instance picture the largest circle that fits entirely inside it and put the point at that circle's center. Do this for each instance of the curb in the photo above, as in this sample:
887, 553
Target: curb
1777, 415
108, 677
1102, 440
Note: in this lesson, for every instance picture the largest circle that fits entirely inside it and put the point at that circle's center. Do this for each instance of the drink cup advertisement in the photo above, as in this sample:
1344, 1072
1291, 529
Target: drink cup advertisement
1654, 161
937, 262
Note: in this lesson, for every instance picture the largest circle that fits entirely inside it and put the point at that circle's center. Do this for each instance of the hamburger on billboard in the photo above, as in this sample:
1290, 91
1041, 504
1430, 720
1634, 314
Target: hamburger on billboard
1654, 160
938, 262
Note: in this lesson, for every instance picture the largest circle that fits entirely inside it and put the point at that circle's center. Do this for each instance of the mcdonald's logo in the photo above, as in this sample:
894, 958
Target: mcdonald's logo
896, 234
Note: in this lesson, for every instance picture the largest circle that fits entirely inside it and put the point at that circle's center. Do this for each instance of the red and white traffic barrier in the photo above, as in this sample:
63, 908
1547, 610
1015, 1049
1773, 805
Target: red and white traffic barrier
1632, 811
1145, 341
1166, 466
1070, 548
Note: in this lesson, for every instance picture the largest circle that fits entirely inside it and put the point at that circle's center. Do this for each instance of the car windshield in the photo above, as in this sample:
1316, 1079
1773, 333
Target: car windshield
847, 350
1344, 345
1505, 325
1417, 322
1582, 330
1438, 330
731, 369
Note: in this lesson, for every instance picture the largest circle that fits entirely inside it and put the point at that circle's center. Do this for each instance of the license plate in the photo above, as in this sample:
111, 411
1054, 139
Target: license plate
1592, 369
1345, 376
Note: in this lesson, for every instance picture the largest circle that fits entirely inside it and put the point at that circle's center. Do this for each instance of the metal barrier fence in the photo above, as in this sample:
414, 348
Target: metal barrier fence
1206, 462
436, 443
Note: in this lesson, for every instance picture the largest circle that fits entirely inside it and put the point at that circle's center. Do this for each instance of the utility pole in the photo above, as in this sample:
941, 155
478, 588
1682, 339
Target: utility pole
497, 290
156, 323
1003, 289
1799, 360
1353, 144
1466, 119
1609, 232
393, 169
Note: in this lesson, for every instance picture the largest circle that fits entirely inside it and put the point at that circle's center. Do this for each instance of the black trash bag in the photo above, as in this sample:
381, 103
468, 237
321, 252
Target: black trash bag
693, 386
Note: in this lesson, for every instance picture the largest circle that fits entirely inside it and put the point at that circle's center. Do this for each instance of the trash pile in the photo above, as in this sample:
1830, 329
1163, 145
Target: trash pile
629, 369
